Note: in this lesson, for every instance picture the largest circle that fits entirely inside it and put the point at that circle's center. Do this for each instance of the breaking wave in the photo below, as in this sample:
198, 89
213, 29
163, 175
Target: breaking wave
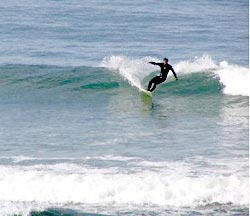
234, 79
22, 187
197, 76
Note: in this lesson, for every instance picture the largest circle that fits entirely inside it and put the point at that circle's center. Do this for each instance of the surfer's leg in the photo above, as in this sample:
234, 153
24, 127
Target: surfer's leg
157, 80
149, 85
153, 88
152, 81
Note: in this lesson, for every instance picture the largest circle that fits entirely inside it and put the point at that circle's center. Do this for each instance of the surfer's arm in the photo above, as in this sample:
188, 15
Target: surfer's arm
172, 69
154, 63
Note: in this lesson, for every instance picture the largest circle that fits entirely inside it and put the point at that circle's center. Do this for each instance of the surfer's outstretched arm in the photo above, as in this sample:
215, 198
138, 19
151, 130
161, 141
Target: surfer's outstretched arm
172, 69
155, 63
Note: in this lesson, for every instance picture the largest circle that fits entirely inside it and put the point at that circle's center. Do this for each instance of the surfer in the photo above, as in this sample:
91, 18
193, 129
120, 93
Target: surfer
165, 68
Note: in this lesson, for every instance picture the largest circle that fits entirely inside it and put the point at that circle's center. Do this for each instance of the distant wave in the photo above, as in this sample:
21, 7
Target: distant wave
198, 76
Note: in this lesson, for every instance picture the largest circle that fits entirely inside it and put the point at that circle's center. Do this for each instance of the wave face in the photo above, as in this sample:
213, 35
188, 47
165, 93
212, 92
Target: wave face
199, 76
49, 77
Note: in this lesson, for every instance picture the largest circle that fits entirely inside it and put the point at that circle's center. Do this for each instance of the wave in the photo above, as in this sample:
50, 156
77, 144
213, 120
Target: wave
43, 186
197, 76
42, 77
35, 184
233, 79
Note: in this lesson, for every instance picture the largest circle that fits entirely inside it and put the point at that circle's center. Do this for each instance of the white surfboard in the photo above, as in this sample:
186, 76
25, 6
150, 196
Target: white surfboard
148, 93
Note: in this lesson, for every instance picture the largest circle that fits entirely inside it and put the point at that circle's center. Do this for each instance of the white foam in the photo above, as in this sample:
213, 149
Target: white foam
21, 158
64, 184
132, 70
113, 158
198, 64
233, 78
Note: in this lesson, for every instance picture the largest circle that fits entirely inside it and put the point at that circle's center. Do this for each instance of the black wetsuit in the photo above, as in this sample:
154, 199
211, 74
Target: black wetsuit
165, 68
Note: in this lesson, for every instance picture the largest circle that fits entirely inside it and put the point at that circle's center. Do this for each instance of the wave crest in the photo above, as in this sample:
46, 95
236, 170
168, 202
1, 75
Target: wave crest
234, 79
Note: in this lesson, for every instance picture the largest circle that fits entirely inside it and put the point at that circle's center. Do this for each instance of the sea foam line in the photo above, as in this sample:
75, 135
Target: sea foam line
38, 184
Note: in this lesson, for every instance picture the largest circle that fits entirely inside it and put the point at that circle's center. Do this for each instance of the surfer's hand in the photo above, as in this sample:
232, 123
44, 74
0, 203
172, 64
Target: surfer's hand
176, 78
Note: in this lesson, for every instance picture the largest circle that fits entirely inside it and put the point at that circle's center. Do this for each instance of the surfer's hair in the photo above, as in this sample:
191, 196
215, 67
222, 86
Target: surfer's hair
165, 59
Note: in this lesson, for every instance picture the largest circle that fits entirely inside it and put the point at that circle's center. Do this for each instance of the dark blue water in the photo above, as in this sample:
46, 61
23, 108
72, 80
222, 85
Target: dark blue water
78, 137
80, 33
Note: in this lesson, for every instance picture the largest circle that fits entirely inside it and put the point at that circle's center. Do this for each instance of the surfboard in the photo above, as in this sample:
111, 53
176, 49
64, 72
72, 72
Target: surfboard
148, 93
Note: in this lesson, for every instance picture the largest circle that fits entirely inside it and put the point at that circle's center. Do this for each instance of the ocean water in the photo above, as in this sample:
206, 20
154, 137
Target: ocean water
77, 137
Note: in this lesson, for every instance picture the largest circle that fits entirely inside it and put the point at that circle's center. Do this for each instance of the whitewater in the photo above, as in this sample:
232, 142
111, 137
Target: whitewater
69, 184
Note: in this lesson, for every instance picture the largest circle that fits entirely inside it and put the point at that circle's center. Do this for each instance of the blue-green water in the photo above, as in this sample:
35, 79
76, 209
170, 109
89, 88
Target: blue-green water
77, 137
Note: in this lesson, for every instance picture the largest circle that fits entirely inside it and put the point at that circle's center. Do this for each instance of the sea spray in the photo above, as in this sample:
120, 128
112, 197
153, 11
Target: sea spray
197, 64
131, 69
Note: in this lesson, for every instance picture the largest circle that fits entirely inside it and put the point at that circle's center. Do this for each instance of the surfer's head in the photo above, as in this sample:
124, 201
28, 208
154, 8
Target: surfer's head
165, 60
